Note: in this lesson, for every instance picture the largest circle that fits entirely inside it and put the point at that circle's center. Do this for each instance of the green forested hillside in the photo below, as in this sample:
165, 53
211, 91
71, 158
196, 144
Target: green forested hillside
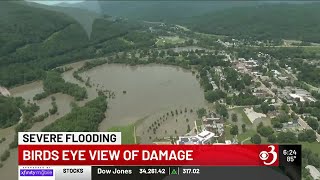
84, 17
34, 40
18, 27
280, 21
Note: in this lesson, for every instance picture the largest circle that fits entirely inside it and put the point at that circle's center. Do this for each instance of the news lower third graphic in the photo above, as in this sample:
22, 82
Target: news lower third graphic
100, 156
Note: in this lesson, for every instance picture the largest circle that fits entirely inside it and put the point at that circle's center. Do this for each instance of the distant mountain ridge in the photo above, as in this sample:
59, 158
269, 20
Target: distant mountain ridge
92, 6
280, 21
241, 19
166, 11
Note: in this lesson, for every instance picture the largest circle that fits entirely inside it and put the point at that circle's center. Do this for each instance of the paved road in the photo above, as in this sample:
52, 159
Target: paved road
306, 126
245, 140
302, 123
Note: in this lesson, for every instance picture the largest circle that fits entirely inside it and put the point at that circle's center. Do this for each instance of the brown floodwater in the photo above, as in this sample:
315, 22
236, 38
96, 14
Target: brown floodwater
27, 91
149, 89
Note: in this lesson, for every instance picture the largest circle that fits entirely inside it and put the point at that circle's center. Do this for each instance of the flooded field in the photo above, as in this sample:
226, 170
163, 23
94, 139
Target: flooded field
173, 122
144, 90
140, 91
27, 91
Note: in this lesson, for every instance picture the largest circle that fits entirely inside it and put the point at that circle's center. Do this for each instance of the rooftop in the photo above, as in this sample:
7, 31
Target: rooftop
313, 172
198, 139
296, 96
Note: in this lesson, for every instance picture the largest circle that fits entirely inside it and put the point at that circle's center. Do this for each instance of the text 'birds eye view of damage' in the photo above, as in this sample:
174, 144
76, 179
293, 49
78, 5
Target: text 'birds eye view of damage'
170, 72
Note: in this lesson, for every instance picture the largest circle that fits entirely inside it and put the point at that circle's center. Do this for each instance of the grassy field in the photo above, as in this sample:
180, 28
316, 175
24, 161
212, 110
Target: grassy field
169, 40
245, 118
182, 27
311, 49
248, 134
315, 147
228, 136
127, 132
213, 36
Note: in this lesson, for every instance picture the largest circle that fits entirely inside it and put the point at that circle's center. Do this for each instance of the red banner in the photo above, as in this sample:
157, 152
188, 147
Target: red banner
184, 155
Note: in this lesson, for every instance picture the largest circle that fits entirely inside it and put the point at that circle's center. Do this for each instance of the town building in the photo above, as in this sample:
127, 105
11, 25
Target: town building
205, 137
262, 93
251, 64
292, 94
314, 172
276, 73
214, 86
214, 124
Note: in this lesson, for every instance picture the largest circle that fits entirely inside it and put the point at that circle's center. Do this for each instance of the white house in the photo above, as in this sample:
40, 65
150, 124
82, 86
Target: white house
205, 137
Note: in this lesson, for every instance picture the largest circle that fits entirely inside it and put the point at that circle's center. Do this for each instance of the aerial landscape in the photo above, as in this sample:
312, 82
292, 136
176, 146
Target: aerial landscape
162, 73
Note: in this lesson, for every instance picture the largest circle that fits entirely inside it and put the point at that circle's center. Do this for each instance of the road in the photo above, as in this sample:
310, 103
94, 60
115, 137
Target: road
302, 123
306, 126
245, 140
21, 117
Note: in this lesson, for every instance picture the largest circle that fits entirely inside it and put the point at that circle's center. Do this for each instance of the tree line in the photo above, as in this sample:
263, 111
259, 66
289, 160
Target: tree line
81, 119
54, 83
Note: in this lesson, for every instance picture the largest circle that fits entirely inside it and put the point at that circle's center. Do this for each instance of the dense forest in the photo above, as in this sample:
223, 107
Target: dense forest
9, 111
281, 21
81, 119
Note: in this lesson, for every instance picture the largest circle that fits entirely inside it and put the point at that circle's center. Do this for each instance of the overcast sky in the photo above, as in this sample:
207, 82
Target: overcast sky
55, 2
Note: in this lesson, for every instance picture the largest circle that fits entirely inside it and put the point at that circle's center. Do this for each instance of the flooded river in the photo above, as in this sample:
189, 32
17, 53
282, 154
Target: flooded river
139, 91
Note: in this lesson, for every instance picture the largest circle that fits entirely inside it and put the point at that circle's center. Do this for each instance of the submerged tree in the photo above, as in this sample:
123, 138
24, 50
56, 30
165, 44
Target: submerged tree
188, 128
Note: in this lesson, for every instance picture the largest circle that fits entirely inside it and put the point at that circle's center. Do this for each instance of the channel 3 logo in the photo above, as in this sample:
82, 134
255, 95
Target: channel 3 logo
264, 156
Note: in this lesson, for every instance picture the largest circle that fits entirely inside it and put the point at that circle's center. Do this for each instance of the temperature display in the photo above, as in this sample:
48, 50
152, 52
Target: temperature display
290, 160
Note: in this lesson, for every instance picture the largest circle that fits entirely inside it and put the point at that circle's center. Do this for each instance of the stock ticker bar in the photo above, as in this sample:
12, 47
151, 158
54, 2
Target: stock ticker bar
141, 172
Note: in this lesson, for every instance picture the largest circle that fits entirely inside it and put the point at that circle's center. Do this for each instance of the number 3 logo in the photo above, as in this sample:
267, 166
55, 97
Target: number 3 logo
264, 155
